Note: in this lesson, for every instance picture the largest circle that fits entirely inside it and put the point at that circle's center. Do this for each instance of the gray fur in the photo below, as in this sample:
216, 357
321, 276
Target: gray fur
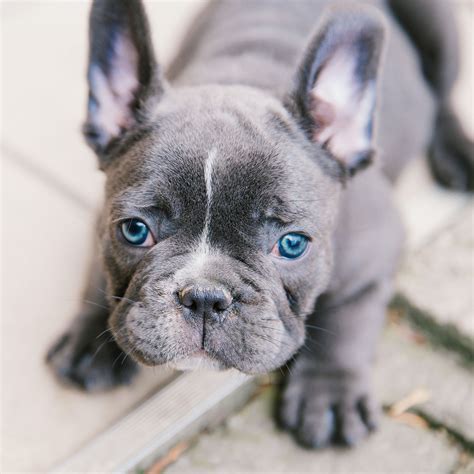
239, 93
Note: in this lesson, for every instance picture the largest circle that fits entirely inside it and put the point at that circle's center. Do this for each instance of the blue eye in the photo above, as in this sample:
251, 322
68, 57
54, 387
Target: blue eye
291, 245
136, 232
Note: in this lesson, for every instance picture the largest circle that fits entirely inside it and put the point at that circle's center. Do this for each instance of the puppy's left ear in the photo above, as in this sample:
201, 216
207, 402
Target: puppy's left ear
122, 72
336, 85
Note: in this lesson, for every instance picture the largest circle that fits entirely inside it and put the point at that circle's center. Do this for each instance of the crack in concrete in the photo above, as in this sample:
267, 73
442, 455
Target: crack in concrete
434, 424
43, 174
446, 336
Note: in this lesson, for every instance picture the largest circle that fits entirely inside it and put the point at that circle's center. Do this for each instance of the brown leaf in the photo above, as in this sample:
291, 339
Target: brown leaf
418, 396
412, 419
170, 457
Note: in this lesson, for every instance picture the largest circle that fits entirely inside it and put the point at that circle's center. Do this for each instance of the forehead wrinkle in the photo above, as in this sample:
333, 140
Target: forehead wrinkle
286, 215
138, 198
245, 184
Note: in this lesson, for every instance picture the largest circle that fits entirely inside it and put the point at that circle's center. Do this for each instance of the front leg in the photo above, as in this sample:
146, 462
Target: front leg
86, 356
328, 397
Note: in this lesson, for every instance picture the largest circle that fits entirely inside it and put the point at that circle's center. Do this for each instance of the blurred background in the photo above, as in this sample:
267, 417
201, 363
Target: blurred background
51, 189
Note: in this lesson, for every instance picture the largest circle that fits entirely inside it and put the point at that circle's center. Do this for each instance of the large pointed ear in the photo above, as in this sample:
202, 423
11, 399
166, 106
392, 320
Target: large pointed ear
122, 72
336, 85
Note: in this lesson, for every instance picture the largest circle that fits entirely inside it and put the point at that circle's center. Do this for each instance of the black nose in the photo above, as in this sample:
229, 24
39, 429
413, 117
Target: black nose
211, 302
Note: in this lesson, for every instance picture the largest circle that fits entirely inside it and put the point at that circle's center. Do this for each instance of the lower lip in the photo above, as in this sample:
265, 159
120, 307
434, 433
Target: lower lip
200, 353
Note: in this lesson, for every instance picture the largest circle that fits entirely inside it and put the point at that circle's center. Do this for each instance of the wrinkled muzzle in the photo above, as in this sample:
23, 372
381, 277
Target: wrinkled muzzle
212, 312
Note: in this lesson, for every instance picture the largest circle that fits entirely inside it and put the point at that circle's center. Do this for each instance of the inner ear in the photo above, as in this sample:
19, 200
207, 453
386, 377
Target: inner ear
336, 88
122, 72
342, 110
113, 91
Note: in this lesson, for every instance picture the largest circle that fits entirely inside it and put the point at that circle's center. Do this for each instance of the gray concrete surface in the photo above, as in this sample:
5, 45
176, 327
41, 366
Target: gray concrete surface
50, 188
250, 443
438, 277
406, 364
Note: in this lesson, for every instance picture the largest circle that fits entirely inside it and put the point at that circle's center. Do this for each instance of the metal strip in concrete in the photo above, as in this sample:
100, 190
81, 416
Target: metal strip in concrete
188, 404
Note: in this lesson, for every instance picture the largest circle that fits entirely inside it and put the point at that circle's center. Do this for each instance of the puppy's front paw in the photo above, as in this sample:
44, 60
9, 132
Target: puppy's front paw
324, 408
90, 363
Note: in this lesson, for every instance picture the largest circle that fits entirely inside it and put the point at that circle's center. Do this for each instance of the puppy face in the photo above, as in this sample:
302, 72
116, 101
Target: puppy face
218, 184
220, 204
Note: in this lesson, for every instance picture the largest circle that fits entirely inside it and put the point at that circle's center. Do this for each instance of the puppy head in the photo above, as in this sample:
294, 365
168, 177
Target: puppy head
221, 201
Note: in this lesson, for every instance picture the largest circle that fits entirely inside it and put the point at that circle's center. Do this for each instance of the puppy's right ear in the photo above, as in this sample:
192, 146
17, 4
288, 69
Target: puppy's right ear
122, 72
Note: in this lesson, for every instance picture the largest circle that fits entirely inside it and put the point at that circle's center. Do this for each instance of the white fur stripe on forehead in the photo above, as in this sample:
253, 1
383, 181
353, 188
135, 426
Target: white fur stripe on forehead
208, 170
208, 175
200, 255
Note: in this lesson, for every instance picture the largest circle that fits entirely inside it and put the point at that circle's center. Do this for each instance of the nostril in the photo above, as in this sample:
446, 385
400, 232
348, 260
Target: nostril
186, 297
218, 307
222, 301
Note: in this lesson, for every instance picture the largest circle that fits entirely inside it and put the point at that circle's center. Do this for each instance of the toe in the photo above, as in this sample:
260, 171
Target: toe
370, 412
351, 428
317, 425
289, 409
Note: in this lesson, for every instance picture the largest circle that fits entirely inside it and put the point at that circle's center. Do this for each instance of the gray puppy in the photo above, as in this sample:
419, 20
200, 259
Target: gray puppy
238, 228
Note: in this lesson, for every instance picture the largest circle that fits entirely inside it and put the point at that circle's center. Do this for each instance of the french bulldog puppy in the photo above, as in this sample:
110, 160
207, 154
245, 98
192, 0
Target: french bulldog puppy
243, 226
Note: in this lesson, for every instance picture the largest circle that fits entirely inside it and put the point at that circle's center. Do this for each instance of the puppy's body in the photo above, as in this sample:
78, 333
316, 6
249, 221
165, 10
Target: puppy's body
261, 46
250, 142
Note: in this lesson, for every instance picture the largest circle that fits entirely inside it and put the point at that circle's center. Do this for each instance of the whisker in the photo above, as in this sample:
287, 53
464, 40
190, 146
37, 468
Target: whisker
131, 351
115, 297
97, 304
319, 328
123, 298
103, 332
107, 341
